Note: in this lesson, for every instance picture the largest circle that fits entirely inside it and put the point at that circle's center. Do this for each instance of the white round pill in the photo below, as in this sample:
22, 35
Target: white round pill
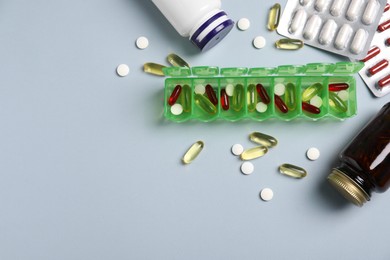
247, 168
122, 70
200, 89
229, 89
176, 109
343, 94
237, 149
316, 101
259, 42
142, 42
279, 89
266, 194
313, 153
261, 107
243, 24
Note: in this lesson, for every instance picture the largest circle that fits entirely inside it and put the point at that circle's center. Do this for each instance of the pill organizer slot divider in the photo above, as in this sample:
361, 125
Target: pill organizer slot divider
241, 103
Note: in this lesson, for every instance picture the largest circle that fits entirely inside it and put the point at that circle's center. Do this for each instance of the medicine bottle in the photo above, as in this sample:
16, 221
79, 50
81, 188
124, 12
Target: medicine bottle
365, 162
201, 20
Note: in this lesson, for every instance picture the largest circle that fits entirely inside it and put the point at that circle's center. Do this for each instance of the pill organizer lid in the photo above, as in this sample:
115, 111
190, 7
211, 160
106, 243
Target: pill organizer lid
290, 70
346, 68
177, 71
205, 71
261, 71
234, 72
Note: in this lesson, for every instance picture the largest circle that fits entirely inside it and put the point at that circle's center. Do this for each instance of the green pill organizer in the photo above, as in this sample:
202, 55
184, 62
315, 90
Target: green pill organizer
312, 91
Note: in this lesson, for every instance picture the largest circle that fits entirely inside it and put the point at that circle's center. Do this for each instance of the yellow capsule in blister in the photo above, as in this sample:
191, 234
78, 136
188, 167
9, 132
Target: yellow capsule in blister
185, 98
177, 61
154, 68
290, 98
289, 44
205, 104
193, 152
336, 103
251, 97
253, 153
263, 139
311, 91
273, 17
292, 171
238, 97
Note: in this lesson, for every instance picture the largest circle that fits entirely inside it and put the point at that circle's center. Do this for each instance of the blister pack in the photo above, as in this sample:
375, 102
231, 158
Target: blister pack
376, 70
345, 27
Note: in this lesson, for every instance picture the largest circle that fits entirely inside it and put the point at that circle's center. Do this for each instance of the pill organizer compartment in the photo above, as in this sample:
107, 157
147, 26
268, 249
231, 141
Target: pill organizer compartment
296, 80
264, 104
185, 102
313, 91
345, 27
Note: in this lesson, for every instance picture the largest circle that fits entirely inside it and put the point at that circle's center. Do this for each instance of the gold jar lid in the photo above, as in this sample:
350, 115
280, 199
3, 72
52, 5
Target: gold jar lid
348, 187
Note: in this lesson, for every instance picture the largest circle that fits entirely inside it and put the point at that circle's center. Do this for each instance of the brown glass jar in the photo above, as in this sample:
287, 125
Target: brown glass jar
365, 162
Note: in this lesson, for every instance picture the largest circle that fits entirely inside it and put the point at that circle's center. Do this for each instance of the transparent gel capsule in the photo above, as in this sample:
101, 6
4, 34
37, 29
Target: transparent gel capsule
205, 104
253, 153
311, 91
334, 87
292, 171
154, 68
177, 61
251, 97
289, 44
279, 103
290, 96
273, 17
211, 94
224, 100
238, 97
185, 98
174, 95
263, 93
193, 152
263, 139
336, 103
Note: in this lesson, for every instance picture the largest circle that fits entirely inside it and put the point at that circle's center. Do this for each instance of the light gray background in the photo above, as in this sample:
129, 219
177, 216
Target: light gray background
89, 169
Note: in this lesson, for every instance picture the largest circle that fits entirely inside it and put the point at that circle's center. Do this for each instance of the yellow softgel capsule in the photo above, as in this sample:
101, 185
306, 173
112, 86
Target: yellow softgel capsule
154, 68
238, 97
176, 60
292, 171
251, 97
185, 98
193, 152
311, 91
263, 139
336, 103
273, 17
253, 153
205, 104
289, 44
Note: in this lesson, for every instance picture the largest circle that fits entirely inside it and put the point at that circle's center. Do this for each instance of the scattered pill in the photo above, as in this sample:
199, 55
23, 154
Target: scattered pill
247, 168
200, 89
343, 94
176, 109
261, 107
263, 139
253, 153
154, 68
177, 61
193, 152
289, 44
123, 70
313, 153
316, 101
273, 17
259, 42
243, 24
279, 89
266, 194
292, 171
142, 42
229, 89
237, 149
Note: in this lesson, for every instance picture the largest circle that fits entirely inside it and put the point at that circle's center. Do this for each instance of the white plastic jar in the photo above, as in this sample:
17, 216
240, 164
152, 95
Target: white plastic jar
202, 21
